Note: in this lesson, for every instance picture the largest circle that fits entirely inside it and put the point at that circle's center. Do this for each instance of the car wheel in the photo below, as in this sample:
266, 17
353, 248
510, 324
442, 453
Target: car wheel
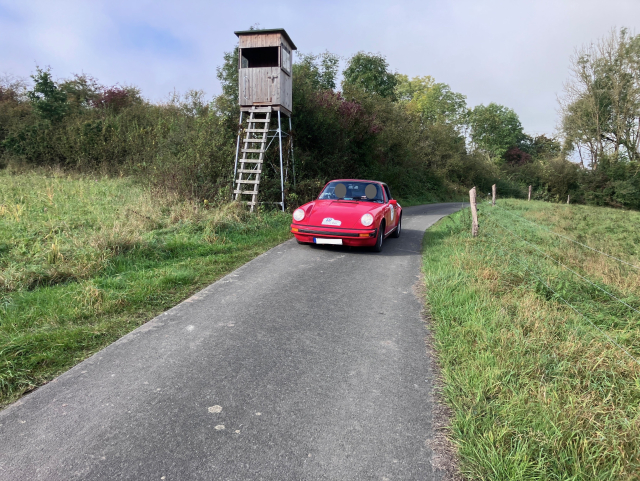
378, 246
396, 233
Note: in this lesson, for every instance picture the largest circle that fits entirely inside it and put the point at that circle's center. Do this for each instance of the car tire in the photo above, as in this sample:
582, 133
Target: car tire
380, 238
396, 233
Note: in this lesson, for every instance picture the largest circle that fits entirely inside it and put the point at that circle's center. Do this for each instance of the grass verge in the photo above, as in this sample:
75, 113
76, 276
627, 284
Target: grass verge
538, 389
84, 261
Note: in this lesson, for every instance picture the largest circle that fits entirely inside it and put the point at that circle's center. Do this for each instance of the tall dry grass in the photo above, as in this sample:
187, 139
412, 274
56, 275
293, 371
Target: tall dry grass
59, 227
538, 390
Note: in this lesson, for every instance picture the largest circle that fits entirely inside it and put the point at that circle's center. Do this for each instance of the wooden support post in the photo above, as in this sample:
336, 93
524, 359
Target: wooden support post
529, 193
568, 197
493, 195
474, 212
293, 161
281, 172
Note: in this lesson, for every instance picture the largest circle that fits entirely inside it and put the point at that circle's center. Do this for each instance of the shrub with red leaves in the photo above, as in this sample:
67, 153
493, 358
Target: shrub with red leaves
115, 98
516, 157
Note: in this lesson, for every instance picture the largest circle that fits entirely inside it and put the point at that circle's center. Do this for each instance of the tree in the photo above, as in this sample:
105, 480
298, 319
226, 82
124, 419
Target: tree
601, 102
434, 102
14, 108
48, 101
321, 70
81, 91
495, 129
543, 147
12, 88
227, 74
369, 73
407, 89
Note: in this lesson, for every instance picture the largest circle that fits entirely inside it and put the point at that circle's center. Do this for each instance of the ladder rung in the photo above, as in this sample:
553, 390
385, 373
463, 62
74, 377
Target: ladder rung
257, 130
260, 109
246, 192
258, 120
249, 171
247, 181
254, 140
252, 150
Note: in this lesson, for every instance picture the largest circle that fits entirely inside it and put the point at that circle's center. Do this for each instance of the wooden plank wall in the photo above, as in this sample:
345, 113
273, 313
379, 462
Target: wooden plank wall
286, 87
260, 85
268, 85
263, 40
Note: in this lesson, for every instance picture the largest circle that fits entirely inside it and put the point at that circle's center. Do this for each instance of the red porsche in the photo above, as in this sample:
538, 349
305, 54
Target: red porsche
349, 212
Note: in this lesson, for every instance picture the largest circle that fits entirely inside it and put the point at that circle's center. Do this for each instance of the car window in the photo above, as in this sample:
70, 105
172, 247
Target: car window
357, 191
388, 192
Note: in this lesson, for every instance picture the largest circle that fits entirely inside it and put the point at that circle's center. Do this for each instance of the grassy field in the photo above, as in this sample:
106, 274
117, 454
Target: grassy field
537, 386
85, 260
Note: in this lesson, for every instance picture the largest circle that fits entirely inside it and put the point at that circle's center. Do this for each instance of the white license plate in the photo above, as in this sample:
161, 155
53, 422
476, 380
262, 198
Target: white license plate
336, 242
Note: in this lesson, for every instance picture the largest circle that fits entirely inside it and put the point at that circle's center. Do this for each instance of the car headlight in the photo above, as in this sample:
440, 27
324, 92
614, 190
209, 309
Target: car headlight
298, 215
366, 220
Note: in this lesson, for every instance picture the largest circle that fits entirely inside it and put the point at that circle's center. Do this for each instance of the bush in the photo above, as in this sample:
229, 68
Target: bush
187, 144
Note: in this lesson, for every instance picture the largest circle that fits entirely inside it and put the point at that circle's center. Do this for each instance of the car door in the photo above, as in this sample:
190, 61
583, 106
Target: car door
389, 212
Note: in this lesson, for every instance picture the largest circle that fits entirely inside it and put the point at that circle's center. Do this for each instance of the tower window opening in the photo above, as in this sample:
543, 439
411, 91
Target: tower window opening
259, 57
286, 58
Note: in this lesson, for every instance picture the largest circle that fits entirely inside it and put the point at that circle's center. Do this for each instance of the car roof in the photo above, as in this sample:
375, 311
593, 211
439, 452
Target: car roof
356, 180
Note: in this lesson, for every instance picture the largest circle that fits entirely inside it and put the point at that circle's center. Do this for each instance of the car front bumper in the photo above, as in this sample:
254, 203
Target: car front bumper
350, 237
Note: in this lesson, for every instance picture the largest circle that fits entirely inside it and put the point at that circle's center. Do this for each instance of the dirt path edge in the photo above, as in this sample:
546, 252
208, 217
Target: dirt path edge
445, 454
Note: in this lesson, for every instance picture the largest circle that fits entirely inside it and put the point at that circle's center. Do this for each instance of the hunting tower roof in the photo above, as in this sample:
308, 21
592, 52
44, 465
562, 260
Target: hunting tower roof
281, 31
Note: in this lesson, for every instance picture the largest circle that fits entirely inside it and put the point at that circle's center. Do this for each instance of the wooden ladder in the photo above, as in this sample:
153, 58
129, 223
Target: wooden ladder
254, 146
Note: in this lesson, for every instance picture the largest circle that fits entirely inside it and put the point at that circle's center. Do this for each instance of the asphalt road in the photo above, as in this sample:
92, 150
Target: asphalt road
308, 363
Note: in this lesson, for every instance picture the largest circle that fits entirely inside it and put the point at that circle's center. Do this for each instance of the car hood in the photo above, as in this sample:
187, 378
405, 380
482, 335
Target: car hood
348, 213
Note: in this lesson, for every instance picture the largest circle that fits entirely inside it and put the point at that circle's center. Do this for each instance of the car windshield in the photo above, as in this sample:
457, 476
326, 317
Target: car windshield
360, 191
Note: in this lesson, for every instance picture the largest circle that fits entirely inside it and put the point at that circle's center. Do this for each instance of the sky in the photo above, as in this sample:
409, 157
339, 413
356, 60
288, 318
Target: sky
515, 53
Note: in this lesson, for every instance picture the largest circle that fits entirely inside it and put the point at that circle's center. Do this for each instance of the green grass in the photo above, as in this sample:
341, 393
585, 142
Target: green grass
84, 260
537, 391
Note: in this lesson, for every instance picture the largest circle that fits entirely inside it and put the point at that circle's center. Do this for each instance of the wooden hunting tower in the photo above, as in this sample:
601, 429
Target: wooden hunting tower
264, 86
265, 58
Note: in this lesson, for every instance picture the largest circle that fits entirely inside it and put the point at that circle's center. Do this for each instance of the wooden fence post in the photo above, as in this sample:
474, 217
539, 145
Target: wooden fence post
529, 192
474, 212
568, 197
493, 195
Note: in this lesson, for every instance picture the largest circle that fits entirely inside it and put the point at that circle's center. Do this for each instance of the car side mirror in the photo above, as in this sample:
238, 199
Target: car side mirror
393, 202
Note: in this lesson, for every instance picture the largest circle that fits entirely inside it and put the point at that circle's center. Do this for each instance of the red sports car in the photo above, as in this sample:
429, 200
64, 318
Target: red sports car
349, 212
